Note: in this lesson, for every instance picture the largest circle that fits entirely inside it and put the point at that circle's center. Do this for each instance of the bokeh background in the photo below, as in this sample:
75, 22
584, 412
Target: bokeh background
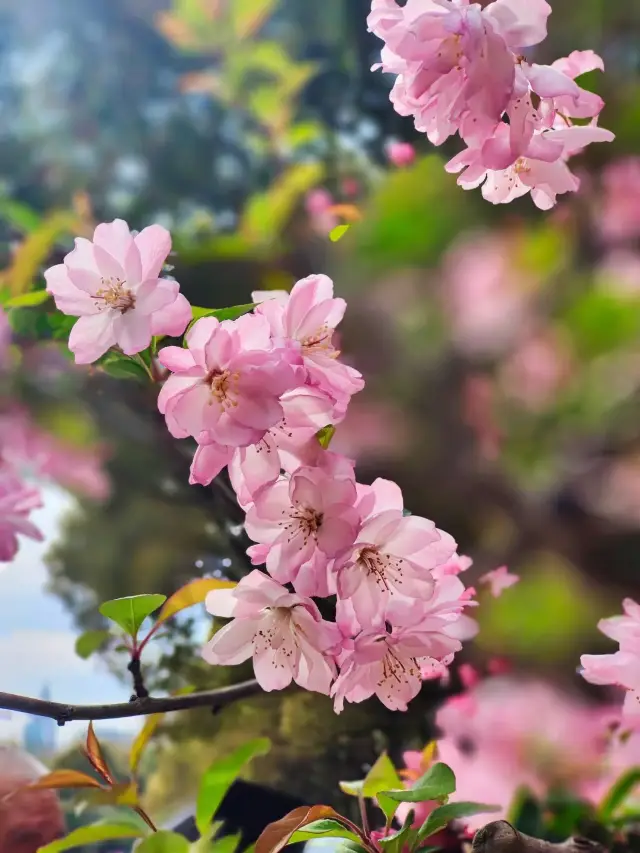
500, 346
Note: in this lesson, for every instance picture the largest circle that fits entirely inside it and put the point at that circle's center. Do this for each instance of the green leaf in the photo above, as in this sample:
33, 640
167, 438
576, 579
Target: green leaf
338, 232
163, 841
130, 612
92, 834
382, 776
220, 776
19, 215
618, 793
221, 314
406, 836
353, 789
223, 844
120, 366
325, 435
326, 828
28, 300
90, 642
442, 816
436, 784
60, 325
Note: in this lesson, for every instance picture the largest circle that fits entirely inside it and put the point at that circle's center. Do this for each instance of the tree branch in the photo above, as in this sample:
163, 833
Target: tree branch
500, 837
62, 713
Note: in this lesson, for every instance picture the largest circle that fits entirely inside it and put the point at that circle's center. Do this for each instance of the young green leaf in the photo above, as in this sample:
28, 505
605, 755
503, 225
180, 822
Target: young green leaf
92, 835
382, 777
325, 828
221, 314
220, 776
325, 435
405, 837
279, 833
436, 784
442, 816
353, 789
120, 366
130, 612
338, 232
90, 642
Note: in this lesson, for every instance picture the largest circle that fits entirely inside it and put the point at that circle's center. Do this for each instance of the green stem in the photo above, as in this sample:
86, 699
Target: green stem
137, 357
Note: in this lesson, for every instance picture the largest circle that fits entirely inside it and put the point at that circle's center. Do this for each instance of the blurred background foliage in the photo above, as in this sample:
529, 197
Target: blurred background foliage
500, 346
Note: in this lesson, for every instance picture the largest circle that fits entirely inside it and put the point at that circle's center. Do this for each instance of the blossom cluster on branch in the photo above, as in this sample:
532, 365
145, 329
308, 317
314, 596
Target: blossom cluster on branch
461, 68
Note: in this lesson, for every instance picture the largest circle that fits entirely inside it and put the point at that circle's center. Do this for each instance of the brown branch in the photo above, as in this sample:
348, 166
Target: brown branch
62, 713
500, 837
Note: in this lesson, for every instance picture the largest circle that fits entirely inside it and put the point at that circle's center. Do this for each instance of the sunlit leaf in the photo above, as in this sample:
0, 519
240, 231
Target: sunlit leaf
267, 213
382, 776
442, 816
90, 642
220, 776
247, 16
163, 841
338, 232
325, 435
60, 779
278, 834
191, 593
28, 300
94, 753
353, 789
130, 612
93, 834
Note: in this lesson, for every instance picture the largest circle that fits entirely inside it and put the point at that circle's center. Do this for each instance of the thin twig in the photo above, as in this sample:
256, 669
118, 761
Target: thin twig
62, 713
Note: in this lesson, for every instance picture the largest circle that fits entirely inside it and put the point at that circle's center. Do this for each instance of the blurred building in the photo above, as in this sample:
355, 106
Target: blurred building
40, 736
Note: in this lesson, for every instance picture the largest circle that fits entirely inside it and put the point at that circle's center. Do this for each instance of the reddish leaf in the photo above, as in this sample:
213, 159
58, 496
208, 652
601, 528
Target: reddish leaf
65, 779
93, 751
277, 834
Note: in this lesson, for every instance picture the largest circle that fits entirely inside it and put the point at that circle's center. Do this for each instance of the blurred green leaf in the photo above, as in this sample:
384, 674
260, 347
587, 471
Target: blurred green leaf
130, 612
436, 784
163, 841
325, 435
28, 300
600, 322
353, 789
220, 776
618, 793
92, 835
338, 232
19, 215
90, 642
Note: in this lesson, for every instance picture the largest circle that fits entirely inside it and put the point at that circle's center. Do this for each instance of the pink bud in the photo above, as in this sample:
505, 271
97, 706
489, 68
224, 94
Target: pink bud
401, 154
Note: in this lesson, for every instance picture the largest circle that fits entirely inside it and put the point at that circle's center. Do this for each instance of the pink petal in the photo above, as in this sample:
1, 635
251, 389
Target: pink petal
176, 358
68, 298
232, 644
155, 294
173, 319
522, 23
154, 245
132, 332
115, 238
92, 336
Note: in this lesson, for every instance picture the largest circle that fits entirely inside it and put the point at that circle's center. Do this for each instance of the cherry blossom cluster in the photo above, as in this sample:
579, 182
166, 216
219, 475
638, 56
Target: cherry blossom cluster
461, 68
622, 668
255, 393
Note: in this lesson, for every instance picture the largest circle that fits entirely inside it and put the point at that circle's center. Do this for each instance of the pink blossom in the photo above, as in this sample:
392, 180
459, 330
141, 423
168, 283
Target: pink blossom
543, 179
455, 61
318, 204
392, 554
310, 516
284, 634
537, 371
401, 154
225, 388
305, 321
113, 285
622, 668
388, 665
498, 580
5, 339
16, 502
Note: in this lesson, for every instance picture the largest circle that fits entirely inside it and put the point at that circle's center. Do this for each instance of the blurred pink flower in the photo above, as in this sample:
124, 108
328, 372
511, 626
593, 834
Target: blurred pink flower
16, 502
537, 371
318, 204
519, 733
498, 580
5, 339
486, 294
619, 206
401, 154
113, 285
